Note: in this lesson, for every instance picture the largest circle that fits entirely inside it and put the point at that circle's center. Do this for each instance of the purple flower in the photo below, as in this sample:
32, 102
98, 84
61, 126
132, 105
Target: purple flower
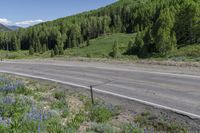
39, 127
38, 115
7, 100
10, 85
5, 121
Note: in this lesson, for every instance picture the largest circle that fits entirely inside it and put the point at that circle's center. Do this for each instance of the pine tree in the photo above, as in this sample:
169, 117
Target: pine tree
164, 35
15, 43
59, 44
115, 50
52, 53
44, 48
130, 48
31, 50
61, 50
138, 47
56, 50
88, 42
106, 23
117, 23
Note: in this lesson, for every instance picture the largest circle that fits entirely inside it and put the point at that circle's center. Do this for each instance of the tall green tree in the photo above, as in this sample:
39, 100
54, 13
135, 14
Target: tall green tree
56, 50
115, 50
138, 45
31, 50
164, 36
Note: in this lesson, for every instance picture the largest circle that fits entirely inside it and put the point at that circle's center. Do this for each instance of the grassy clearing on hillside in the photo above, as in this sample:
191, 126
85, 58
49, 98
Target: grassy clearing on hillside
29, 106
102, 46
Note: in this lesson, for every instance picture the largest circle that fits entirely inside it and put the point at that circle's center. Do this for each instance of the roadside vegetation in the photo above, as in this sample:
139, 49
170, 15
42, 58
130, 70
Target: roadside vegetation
29, 106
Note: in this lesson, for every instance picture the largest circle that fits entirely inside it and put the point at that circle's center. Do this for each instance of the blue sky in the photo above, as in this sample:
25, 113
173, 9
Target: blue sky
29, 12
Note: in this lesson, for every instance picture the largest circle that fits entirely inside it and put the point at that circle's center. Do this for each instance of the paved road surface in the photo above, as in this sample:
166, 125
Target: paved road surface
175, 91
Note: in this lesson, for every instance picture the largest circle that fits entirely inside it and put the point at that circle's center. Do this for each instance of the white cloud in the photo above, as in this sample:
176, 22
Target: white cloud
5, 21
28, 22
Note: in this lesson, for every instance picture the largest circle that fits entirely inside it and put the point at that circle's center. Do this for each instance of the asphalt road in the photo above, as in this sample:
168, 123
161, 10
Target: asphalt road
166, 89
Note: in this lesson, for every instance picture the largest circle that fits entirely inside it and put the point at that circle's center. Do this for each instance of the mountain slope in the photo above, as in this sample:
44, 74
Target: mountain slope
162, 26
3, 28
13, 27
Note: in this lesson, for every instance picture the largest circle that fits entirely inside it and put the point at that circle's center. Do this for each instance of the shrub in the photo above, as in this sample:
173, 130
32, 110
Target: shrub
56, 50
59, 95
115, 50
147, 120
190, 51
31, 50
88, 42
59, 104
89, 55
101, 128
23, 90
54, 126
130, 128
100, 113
65, 112
3, 128
78, 119
52, 53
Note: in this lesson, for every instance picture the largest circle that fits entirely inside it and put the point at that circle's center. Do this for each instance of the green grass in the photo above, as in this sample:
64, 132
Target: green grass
102, 46
22, 54
190, 52
13, 54
101, 128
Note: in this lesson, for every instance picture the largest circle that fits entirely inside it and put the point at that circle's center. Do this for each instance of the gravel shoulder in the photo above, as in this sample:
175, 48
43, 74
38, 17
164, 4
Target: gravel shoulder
190, 68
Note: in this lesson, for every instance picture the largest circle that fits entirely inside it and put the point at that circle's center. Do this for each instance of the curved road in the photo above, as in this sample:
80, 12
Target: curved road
165, 89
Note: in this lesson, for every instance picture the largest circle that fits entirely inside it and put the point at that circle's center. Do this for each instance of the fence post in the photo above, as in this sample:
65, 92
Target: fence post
92, 97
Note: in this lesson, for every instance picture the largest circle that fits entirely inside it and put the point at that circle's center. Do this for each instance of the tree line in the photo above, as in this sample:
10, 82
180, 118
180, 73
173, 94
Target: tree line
162, 26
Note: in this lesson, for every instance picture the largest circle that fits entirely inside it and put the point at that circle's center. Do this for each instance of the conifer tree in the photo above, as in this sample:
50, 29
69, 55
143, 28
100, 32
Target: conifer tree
31, 50
52, 53
115, 50
164, 35
56, 50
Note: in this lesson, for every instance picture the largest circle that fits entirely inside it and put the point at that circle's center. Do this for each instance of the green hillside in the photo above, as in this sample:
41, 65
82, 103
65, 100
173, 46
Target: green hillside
162, 26
3, 28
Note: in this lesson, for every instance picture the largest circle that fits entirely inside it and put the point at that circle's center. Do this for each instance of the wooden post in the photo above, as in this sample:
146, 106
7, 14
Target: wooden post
92, 97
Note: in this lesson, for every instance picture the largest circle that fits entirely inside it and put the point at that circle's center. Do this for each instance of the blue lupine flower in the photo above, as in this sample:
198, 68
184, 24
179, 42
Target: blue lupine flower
9, 85
7, 100
39, 127
38, 115
5, 121
145, 130
4, 80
